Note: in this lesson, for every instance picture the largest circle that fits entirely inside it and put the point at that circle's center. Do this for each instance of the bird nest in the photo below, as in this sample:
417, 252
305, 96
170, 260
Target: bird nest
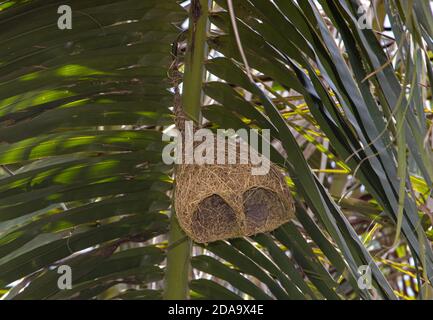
222, 201
216, 202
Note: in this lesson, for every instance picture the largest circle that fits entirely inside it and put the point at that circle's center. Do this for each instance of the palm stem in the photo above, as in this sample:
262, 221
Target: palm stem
178, 256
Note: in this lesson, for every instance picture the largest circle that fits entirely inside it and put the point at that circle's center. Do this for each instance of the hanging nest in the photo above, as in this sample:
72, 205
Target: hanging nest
216, 202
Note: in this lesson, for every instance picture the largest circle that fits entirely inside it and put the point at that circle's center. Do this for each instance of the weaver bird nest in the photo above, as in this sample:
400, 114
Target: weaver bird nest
216, 202
222, 201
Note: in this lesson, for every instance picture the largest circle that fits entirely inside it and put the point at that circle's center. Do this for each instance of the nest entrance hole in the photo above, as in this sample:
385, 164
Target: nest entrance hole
261, 205
214, 216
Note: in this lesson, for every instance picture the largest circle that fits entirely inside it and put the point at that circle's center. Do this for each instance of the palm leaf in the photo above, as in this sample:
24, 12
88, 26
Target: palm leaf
82, 182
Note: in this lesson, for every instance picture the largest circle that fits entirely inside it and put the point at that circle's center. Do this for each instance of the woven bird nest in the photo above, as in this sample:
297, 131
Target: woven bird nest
216, 202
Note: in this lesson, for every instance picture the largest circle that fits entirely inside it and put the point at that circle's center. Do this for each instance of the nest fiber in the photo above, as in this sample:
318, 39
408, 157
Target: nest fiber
216, 202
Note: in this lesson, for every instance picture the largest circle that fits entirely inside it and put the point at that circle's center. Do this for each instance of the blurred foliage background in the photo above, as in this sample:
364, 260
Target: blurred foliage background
344, 86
